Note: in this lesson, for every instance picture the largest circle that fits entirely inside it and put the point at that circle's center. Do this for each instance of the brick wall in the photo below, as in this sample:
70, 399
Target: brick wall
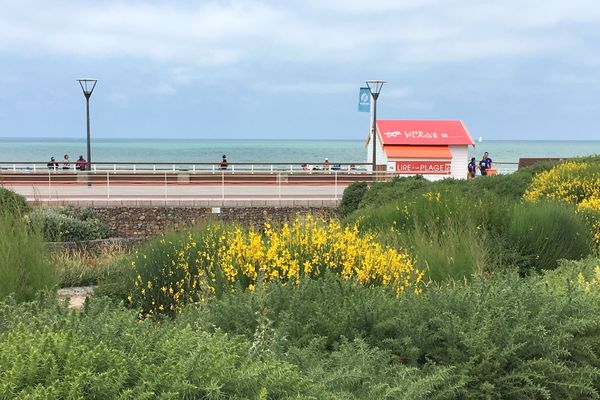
143, 222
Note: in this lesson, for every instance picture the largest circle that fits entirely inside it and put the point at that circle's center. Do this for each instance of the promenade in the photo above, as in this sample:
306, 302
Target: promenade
182, 188
206, 195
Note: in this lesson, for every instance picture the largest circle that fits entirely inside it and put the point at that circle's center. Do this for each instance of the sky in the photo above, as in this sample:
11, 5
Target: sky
510, 69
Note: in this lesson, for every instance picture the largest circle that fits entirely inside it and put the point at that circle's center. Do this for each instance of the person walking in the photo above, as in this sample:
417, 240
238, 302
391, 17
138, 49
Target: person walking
483, 165
488, 160
472, 168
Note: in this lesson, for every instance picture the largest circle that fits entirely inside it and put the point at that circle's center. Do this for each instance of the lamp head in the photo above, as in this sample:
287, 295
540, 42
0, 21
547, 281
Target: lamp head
87, 85
375, 87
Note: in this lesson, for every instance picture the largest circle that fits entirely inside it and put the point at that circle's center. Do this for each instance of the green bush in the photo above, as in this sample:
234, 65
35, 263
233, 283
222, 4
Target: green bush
545, 232
507, 186
24, 268
70, 224
501, 337
105, 353
352, 197
12, 202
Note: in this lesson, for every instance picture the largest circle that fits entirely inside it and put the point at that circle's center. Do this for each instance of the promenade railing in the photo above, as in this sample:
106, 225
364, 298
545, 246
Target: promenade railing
198, 168
186, 181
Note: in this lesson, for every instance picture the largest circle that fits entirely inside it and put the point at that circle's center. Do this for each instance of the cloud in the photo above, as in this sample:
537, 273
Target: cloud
164, 89
245, 32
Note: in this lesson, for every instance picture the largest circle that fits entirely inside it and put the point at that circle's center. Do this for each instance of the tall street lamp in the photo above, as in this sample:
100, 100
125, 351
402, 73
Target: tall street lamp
375, 89
88, 85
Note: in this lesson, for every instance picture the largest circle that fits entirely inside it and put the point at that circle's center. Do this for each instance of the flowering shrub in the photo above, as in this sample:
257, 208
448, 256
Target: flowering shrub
575, 182
571, 181
178, 269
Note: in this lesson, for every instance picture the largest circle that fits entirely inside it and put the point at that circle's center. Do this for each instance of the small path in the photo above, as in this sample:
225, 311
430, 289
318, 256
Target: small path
76, 295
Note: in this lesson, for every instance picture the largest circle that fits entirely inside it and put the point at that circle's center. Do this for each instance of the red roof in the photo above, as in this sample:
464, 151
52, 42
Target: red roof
432, 133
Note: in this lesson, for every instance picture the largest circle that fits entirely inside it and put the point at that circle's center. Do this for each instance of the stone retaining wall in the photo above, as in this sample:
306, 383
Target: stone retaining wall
143, 222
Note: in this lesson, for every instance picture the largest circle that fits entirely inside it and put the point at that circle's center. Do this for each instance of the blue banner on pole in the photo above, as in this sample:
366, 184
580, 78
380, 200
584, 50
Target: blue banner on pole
364, 100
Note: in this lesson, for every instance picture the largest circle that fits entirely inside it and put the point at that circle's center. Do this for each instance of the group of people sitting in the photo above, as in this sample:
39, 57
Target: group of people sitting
80, 164
485, 165
326, 166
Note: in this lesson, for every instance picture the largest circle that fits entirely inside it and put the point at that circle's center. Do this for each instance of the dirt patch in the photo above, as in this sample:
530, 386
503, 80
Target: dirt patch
76, 295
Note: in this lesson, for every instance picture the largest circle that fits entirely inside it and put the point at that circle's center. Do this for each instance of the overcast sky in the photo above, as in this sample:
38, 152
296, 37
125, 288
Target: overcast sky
510, 69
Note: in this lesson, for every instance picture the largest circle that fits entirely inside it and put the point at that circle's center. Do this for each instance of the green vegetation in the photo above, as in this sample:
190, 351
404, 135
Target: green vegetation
509, 307
460, 228
70, 224
82, 267
353, 195
24, 267
500, 337
547, 232
12, 202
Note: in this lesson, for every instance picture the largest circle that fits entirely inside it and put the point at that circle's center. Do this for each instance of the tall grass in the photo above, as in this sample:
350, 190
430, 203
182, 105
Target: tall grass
452, 233
24, 267
545, 232
82, 267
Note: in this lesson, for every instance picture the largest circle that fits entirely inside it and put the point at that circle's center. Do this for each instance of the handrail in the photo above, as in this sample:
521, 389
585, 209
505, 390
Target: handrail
198, 168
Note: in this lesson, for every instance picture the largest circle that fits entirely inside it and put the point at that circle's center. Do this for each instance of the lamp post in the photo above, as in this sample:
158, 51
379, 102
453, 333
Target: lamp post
374, 89
88, 85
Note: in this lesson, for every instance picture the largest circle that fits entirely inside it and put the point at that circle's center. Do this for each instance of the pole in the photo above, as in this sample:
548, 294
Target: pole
89, 147
374, 134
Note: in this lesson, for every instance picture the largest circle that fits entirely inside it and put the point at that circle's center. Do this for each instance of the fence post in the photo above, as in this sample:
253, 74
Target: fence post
49, 186
222, 185
335, 185
134, 169
166, 193
279, 186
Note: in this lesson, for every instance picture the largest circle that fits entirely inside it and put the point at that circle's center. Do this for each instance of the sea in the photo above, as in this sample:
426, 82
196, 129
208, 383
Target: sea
268, 151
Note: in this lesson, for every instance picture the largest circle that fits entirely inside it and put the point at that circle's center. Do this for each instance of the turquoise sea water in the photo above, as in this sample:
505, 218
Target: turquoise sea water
296, 151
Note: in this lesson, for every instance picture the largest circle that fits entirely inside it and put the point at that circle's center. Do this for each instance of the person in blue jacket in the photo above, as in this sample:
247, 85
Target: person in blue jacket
472, 168
488, 160
483, 165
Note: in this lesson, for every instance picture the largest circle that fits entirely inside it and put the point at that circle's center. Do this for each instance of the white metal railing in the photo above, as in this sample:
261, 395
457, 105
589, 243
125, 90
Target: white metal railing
165, 184
210, 168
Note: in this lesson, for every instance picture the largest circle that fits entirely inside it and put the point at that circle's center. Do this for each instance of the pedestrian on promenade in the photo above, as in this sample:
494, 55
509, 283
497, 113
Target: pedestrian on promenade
81, 164
488, 160
483, 164
472, 168
66, 163
326, 165
224, 162
52, 165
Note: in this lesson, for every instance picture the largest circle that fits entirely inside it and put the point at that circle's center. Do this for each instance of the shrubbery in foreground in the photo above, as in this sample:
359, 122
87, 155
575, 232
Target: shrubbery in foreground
504, 337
